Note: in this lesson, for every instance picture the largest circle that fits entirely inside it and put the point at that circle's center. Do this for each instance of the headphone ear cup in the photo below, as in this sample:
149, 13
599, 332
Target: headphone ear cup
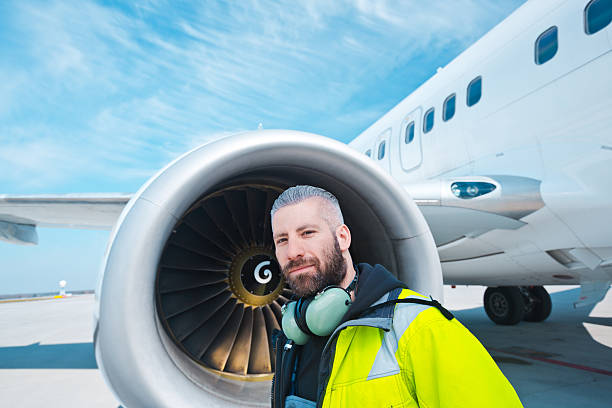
326, 310
290, 326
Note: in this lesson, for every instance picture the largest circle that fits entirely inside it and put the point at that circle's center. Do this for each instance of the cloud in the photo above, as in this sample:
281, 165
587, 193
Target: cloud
114, 91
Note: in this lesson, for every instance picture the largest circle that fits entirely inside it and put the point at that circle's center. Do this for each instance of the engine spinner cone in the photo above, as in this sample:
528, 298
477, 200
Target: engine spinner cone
255, 277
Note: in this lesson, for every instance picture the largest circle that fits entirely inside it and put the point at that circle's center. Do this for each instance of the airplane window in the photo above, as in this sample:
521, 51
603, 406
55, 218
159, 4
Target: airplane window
368, 153
381, 150
428, 121
409, 133
474, 91
597, 15
449, 108
546, 45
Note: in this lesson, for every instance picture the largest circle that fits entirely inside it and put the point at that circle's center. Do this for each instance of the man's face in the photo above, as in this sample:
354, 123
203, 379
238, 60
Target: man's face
306, 248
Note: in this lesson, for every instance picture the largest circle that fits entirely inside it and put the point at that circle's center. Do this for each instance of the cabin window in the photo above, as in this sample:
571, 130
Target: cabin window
368, 153
381, 150
546, 46
409, 137
597, 15
428, 121
449, 108
474, 91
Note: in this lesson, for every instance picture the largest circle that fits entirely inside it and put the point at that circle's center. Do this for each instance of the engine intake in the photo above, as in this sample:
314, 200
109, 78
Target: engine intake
191, 290
219, 287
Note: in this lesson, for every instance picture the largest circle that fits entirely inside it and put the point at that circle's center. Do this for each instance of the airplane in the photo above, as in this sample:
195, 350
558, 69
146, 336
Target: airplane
506, 149
493, 172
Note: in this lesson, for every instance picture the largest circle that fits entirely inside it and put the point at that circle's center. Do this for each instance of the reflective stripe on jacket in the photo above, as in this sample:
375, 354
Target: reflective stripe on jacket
409, 355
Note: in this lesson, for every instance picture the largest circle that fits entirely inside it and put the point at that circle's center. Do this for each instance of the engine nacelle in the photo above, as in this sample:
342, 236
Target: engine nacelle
191, 290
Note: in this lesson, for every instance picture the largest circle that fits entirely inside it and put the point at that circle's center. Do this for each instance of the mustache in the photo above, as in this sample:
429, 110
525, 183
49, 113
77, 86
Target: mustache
297, 263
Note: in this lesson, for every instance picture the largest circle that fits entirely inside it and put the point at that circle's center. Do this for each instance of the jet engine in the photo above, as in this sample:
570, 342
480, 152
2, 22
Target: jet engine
191, 291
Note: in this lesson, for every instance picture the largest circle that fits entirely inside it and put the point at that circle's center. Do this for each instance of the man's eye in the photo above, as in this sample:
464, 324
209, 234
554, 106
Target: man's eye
308, 232
280, 240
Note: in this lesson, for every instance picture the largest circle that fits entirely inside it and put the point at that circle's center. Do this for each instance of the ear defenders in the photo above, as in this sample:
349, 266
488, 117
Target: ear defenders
318, 316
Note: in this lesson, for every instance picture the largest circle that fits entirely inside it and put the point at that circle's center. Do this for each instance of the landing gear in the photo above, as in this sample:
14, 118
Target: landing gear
509, 305
504, 304
538, 306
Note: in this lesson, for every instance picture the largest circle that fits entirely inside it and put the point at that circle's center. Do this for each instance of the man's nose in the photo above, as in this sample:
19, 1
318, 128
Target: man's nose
294, 249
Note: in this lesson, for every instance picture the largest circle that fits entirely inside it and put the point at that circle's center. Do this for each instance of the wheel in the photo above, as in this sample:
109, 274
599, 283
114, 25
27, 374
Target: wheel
504, 304
540, 305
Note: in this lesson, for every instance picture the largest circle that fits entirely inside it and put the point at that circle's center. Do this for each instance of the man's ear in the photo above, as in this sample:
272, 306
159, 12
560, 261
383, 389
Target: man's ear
343, 234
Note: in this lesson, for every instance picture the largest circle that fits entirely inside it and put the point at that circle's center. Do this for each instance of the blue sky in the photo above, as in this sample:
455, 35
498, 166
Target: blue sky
96, 96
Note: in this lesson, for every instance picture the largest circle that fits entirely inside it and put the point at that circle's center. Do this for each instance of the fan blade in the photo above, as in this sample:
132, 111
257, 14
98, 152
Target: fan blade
267, 229
179, 302
186, 237
259, 356
199, 220
186, 323
276, 309
217, 210
271, 325
173, 280
256, 203
198, 342
235, 201
219, 350
181, 258
238, 361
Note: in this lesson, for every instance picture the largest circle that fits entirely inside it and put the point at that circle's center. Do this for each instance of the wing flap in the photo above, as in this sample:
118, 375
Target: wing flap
448, 224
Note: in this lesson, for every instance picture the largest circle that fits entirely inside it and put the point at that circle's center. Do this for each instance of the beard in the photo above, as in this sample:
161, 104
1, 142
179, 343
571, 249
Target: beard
332, 273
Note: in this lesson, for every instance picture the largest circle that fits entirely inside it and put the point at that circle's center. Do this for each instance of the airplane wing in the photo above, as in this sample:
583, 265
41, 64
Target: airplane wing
454, 208
20, 215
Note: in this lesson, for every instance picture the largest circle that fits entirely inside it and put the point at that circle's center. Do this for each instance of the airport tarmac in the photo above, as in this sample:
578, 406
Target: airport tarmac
46, 351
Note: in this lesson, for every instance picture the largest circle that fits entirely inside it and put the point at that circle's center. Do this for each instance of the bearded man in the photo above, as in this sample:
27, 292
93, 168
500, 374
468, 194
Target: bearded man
393, 347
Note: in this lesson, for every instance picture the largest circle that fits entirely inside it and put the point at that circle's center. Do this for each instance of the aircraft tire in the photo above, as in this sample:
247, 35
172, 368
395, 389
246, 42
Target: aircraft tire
541, 306
504, 305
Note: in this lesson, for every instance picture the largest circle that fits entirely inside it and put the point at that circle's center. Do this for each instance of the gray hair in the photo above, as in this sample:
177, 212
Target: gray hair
296, 194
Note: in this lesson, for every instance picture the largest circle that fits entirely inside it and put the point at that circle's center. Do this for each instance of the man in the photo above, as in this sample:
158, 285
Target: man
391, 355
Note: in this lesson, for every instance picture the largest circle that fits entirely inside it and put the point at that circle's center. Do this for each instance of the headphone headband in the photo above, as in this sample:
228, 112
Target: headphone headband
300, 320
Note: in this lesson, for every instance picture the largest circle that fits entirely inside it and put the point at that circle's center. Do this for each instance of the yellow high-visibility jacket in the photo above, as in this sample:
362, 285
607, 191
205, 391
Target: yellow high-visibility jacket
412, 356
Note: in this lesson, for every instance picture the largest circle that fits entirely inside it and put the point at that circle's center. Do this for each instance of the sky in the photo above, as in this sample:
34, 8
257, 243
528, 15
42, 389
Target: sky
96, 96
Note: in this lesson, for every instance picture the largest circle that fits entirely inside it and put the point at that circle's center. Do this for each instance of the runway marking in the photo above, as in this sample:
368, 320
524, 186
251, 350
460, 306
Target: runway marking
533, 356
31, 299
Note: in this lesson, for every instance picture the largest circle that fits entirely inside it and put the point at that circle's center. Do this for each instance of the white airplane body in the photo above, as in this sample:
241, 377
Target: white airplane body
513, 180
550, 124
